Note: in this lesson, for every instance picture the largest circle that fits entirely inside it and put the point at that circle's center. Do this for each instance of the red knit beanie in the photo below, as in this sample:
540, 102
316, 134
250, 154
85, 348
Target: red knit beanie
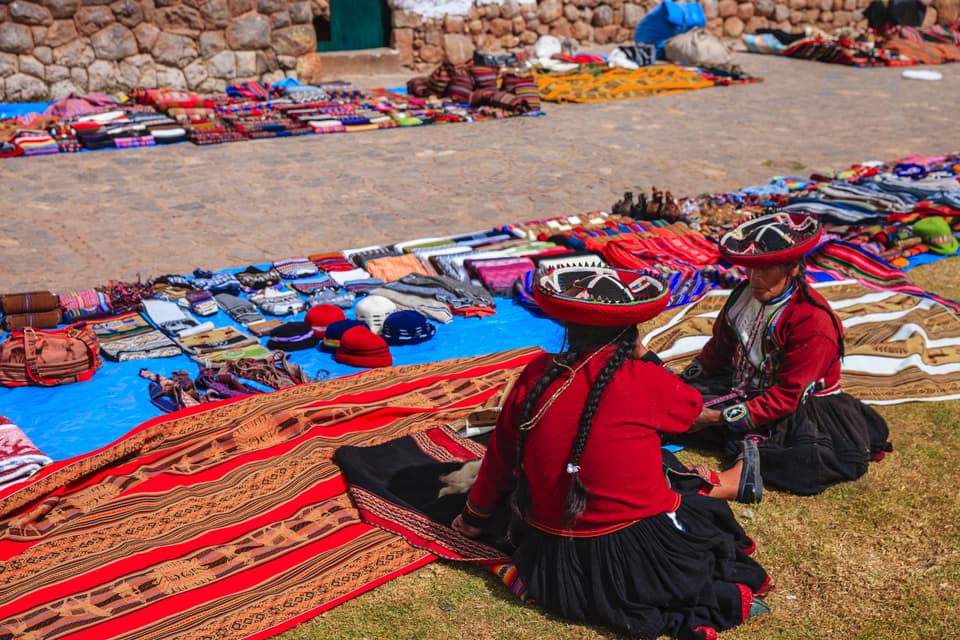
360, 347
322, 316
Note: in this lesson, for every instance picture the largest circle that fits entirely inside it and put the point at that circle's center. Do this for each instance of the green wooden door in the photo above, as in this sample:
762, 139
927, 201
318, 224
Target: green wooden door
354, 24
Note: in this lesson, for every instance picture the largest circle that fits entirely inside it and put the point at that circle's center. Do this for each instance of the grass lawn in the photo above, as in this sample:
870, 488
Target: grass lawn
875, 559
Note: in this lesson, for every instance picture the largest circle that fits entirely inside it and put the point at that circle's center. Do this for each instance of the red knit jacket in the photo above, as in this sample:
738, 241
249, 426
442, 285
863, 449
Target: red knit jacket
621, 465
803, 344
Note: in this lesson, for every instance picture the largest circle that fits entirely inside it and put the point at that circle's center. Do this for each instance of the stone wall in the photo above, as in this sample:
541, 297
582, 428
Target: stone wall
54, 48
497, 25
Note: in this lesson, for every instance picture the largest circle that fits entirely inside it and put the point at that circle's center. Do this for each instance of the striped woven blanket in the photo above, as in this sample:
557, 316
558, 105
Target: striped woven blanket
899, 347
227, 522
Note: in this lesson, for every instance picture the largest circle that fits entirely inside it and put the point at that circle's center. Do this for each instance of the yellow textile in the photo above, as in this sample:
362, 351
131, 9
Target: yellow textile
619, 84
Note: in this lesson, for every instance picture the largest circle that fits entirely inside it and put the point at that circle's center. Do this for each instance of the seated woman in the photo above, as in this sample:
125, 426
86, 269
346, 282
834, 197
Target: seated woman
771, 370
602, 533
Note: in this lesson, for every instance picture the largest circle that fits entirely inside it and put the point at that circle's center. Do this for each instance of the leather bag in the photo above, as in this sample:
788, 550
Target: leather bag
47, 358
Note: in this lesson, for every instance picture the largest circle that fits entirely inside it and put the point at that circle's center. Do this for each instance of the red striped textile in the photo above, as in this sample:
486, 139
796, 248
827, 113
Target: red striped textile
231, 522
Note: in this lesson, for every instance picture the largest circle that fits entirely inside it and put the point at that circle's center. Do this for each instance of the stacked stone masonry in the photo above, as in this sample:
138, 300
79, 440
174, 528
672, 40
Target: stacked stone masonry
55, 48
506, 25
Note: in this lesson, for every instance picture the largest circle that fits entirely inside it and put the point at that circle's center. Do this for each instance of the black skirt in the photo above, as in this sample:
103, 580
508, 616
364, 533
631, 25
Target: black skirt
827, 440
651, 578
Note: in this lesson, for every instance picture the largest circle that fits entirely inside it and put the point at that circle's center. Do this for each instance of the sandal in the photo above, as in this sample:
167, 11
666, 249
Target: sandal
750, 489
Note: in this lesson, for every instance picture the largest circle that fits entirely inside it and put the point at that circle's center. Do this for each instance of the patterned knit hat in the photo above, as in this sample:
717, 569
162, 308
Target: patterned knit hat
600, 296
407, 327
292, 336
771, 240
360, 347
322, 316
335, 331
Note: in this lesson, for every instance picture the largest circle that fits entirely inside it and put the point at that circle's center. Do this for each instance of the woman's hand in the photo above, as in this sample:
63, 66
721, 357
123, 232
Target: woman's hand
708, 418
464, 528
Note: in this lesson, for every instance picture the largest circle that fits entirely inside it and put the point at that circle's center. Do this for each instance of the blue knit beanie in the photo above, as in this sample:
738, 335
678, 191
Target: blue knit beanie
406, 327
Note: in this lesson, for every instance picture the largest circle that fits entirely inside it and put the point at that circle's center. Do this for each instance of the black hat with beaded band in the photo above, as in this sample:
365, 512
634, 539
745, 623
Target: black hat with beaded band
771, 240
600, 296
292, 336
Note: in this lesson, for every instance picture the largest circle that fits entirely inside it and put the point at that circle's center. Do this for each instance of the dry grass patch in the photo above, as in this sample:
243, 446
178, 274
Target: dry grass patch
876, 559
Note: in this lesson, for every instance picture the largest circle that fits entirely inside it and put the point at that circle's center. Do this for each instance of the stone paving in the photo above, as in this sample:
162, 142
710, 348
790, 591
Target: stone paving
78, 220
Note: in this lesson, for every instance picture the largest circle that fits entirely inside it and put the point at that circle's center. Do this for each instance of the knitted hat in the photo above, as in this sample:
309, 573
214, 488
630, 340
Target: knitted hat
360, 347
322, 316
292, 336
600, 296
767, 241
374, 310
335, 331
937, 234
406, 327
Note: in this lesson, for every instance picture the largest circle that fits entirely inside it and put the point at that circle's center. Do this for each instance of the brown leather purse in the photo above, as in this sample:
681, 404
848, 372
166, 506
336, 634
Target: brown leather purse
46, 358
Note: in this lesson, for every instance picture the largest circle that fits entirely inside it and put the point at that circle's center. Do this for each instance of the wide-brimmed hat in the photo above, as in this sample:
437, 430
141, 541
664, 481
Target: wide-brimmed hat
771, 240
599, 296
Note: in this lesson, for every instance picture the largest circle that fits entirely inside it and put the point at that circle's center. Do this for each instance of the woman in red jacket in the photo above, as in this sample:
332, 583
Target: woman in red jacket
606, 530
771, 371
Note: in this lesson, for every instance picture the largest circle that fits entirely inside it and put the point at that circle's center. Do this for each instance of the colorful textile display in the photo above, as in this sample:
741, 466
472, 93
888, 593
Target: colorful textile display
618, 84
250, 529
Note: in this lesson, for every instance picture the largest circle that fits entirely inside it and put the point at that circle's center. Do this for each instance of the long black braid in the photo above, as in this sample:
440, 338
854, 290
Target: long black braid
520, 500
577, 494
805, 292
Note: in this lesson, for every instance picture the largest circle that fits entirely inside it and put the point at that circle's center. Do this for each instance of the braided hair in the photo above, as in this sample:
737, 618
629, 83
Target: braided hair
520, 500
804, 289
580, 340
577, 494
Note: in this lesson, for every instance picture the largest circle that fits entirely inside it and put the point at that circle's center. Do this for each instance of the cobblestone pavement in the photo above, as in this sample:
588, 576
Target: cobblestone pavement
78, 220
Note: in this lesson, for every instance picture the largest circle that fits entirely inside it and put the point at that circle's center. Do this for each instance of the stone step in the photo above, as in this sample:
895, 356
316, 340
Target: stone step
378, 61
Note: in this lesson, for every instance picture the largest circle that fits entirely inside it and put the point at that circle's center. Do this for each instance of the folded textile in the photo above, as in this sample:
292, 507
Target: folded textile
278, 301
29, 302
201, 303
130, 337
344, 300
263, 327
38, 320
219, 282
427, 306
499, 274
240, 310
88, 303
292, 268
362, 284
342, 277
168, 316
19, 457
392, 268
455, 293
216, 340
308, 285
256, 279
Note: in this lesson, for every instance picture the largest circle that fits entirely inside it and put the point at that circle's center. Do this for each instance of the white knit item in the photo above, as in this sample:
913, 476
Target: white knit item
373, 310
